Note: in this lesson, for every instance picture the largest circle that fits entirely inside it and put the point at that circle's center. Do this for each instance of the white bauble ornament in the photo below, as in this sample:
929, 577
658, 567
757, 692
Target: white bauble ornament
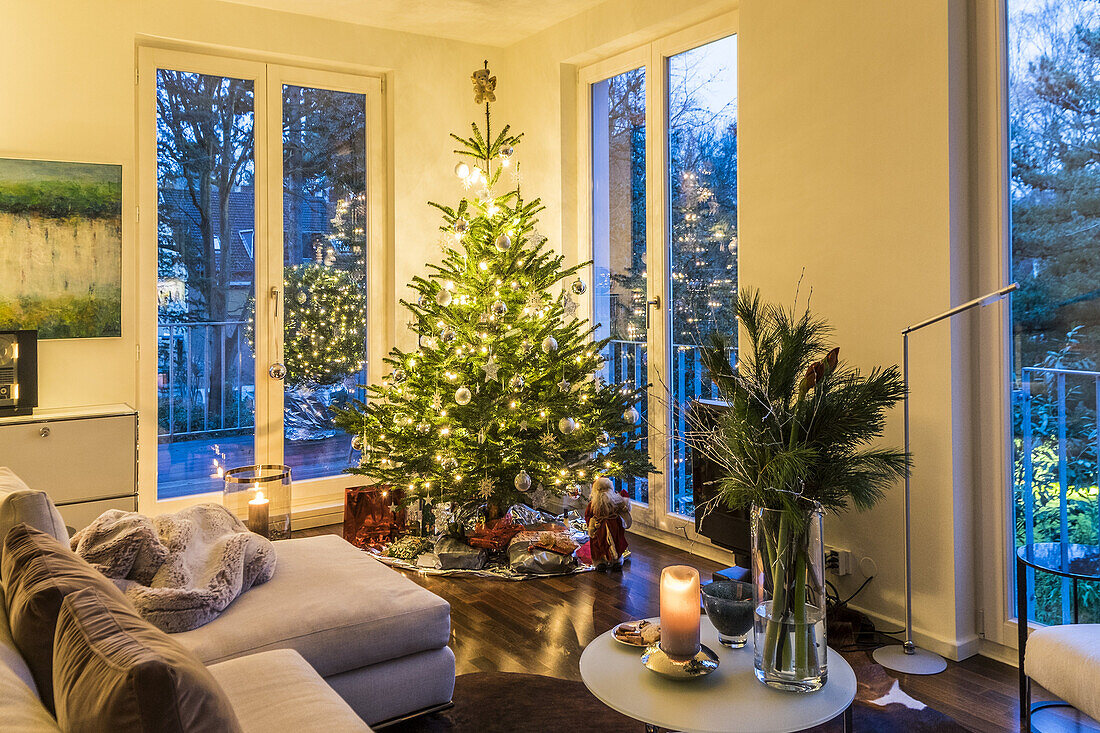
632, 416
507, 151
567, 425
578, 287
499, 308
463, 396
462, 170
603, 439
443, 298
516, 383
448, 335
549, 344
523, 481
461, 226
428, 342
503, 242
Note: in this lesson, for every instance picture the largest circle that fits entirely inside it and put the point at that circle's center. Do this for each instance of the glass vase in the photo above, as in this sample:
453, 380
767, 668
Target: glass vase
788, 571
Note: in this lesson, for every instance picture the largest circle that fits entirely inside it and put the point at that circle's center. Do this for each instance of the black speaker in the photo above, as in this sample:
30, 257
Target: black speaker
18, 372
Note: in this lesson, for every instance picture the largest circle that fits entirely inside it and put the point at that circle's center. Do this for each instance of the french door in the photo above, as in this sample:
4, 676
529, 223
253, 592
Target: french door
659, 152
261, 231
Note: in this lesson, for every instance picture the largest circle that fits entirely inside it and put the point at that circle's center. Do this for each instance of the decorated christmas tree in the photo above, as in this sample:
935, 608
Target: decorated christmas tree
501, 401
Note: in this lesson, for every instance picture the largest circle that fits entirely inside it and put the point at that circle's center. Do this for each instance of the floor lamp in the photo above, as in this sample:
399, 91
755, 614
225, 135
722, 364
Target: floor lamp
908, 657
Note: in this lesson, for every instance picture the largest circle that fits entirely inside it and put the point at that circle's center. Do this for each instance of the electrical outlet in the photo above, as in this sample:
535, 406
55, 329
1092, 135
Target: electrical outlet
838, 561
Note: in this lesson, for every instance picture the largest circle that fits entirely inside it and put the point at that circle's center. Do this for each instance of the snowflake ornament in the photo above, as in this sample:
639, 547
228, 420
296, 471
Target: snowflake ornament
534, 301
437, 402
485, 488
548, 440
569, 307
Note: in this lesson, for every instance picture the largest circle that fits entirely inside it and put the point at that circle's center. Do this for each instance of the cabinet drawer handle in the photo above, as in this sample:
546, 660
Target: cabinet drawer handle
44, 431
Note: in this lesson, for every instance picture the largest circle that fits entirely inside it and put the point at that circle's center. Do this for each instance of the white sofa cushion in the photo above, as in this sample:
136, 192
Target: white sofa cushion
20, 709
19, 503
1066, 661
334, 604
278, 691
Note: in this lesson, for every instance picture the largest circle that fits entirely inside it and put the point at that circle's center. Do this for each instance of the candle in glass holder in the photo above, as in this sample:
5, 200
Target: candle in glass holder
680, 611
259, 513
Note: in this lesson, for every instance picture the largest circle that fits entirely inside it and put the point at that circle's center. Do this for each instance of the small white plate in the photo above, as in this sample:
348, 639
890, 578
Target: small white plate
639, 644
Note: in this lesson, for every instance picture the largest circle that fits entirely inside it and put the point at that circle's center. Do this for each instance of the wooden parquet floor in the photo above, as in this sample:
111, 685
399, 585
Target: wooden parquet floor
542, 626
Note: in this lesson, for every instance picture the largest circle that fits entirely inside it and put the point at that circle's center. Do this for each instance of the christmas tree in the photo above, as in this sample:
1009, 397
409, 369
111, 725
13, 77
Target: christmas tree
501, 401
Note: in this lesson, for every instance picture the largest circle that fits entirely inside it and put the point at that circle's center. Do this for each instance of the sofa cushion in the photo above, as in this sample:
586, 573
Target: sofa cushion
279, 691
114, 671
20, 708
19, 504
1066, 661
37, 572
334, 604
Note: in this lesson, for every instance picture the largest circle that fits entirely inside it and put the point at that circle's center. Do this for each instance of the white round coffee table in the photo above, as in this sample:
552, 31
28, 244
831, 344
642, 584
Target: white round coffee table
728, 700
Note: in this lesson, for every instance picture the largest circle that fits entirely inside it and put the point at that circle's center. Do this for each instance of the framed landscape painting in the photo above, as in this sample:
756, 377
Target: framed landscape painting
61, 248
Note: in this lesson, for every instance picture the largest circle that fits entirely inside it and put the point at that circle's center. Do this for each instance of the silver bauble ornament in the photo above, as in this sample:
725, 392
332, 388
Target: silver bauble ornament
462, 170
603, 439
632, 416
461, 226
399, 376
443, 298
499, 308
301, 297
277, 371
549, 344
516, 383
503, 242
463, 396
423, 301
507, 151
523, 481
448, 335
357, 442
423, 428
567, 425
578, 287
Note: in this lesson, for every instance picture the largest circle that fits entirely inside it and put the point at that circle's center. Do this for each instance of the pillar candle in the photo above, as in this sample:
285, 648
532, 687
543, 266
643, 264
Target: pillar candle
680, 611
258, 514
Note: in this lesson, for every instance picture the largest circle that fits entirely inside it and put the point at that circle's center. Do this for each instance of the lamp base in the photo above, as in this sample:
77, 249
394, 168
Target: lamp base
909, 659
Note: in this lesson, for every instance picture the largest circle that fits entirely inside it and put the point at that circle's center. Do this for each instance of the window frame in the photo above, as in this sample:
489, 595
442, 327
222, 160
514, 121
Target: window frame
313, 498
652, 57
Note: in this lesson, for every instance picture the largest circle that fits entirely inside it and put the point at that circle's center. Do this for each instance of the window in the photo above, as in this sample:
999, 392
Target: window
1054, 100
661, 221
266, 178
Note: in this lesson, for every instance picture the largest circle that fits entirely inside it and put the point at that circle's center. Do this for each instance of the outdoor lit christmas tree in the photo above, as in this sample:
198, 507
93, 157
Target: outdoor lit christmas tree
501, 401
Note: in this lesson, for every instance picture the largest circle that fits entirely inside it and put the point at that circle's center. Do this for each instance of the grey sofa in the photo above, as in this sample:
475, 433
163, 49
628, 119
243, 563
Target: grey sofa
334, 641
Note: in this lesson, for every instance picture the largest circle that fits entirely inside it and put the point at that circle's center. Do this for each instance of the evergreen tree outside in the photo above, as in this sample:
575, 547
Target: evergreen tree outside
501, 401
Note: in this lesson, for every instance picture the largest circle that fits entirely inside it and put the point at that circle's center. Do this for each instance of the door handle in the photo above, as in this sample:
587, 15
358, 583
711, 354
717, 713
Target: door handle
654, 303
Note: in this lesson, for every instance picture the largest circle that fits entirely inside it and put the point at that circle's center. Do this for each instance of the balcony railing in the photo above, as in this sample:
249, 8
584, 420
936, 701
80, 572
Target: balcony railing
626, 364
205, 383
1058, 445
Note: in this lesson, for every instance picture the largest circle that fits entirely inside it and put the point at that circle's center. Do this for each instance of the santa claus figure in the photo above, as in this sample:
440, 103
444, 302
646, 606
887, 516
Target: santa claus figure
608, 516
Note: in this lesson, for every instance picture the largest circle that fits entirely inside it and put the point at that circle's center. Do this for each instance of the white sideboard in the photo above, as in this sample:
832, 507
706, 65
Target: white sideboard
84, 458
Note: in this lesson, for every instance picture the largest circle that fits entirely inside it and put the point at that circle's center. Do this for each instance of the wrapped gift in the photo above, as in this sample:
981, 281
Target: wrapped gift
455, 554
373, 516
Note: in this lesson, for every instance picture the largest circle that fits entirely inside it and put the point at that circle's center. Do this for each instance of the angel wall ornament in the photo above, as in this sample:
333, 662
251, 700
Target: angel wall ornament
484, 85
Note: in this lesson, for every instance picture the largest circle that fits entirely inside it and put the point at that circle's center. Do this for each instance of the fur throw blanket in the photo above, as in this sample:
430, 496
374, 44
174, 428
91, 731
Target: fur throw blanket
179, 570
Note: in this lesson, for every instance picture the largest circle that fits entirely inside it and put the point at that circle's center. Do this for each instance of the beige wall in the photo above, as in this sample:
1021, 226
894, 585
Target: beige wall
853, 176
67, 92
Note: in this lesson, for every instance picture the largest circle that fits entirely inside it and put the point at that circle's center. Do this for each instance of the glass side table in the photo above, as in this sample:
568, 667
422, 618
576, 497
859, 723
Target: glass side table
1076, 562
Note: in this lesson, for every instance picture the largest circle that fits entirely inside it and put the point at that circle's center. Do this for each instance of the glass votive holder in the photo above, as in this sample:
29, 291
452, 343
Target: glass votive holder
260, 497
729, 606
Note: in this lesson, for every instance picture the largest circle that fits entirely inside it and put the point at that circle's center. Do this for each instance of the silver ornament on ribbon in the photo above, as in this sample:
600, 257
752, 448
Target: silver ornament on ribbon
632, 416
549, 344
443, 298
463, 396
523, 481
499, 308
567, 425
503, 242
578, 287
